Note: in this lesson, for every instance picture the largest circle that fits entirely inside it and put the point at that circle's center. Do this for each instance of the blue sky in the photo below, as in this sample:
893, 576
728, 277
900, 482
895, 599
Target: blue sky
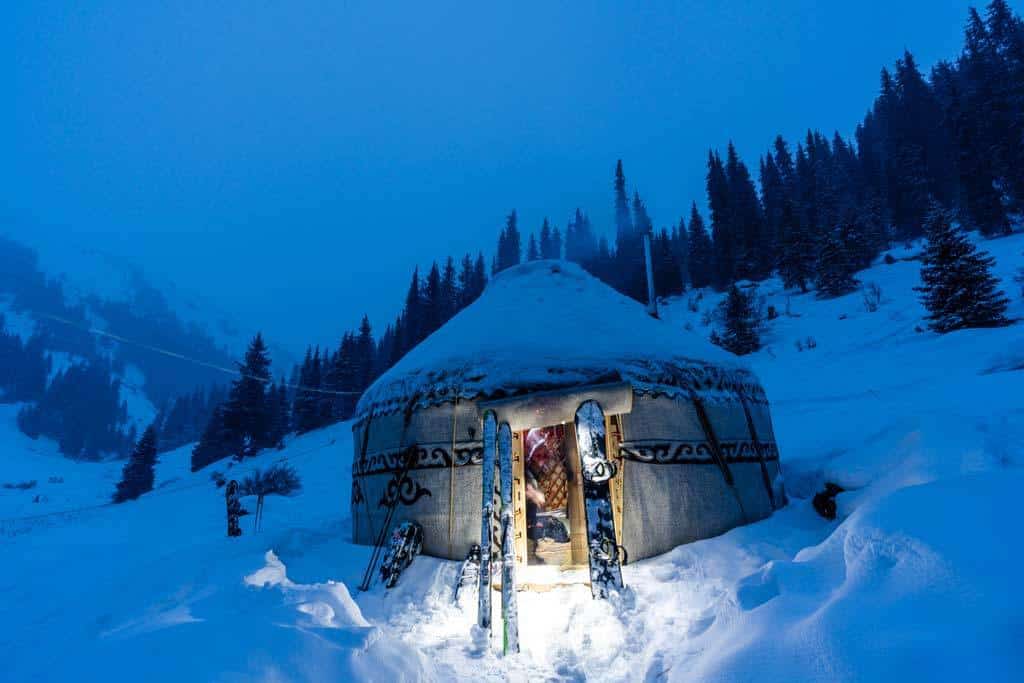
293, 161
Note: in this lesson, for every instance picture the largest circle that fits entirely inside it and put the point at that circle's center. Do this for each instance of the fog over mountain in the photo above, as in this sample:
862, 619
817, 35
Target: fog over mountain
283, 161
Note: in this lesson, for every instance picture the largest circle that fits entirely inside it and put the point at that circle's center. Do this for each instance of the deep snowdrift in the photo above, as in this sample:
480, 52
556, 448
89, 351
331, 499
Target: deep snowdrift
914, 581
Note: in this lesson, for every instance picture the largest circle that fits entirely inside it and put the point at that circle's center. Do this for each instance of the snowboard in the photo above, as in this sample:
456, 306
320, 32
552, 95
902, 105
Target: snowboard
597, 470
509, 612
234, 508
486, 511
406, 542
469, 572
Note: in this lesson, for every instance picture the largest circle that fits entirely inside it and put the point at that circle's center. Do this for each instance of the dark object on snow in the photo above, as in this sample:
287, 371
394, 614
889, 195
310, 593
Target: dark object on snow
406, 542
469, 573
889, 259
234, 508
825, 501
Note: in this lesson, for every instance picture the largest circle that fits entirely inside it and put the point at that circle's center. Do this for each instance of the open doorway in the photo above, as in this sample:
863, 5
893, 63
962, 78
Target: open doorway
555, 523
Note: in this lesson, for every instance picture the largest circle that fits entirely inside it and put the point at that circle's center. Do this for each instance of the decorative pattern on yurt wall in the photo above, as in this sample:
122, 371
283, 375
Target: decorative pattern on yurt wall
440, 491
674, 490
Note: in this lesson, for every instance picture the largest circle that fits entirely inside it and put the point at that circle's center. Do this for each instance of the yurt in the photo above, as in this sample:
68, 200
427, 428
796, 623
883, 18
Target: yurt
687, 426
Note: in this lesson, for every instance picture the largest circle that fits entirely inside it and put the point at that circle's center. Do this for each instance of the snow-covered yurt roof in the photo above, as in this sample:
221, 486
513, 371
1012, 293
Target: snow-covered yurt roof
548, 325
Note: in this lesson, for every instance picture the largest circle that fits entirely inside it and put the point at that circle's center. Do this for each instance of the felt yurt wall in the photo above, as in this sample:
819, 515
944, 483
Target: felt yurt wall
674, 492
441, 489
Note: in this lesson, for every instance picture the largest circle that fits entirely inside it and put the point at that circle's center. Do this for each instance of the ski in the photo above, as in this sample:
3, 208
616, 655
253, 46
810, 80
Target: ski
509, 613
605, 565
469, 572
486, 511
406, 542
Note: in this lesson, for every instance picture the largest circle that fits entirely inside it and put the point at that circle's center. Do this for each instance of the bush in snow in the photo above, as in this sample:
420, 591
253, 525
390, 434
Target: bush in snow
808, 344
958, 288
741, 318
872, 297
276, 480
279, 480
137, 475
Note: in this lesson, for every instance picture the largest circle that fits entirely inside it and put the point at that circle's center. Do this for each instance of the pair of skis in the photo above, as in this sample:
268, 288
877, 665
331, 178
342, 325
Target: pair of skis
500, 440
605, 565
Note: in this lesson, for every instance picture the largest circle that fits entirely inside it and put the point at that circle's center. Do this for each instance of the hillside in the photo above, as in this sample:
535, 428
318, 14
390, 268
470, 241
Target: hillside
915, 579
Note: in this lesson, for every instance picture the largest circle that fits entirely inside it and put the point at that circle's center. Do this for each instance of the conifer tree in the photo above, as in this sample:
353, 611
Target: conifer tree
433, 305
479, 277
701, 261
681, 252
753, 258
623, 223
544, 244
834, 270
246, 413
958, 288
723, 252
532, 253
556, 245
449, 292
216, 443
465, 282
412, 314
740, 321
137, 475
364, 350
509, 245
580, 243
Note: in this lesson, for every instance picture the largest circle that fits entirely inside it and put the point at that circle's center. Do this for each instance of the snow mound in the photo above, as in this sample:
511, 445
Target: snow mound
547, 325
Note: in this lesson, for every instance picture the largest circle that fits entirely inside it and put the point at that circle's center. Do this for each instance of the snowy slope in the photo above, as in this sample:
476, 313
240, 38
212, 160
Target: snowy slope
916, 580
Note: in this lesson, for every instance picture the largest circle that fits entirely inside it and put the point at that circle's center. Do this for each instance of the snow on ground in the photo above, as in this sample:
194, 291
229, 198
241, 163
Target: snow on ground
914, 581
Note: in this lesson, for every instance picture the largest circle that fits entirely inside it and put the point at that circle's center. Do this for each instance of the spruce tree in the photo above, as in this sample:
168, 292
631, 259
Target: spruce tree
412, 314
681, 252
449, 292
433, 303
740, 321
532, 253
722, 240
623, 223
958, 289
137, 475
746, 221
509, 245
580, 244
833, 274
247, 413
701, 259
544, 244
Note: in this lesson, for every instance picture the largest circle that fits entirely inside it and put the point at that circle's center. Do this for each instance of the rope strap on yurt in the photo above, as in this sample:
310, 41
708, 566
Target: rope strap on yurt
451, 475
382, 534
362, 484
758, 449
716, 448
